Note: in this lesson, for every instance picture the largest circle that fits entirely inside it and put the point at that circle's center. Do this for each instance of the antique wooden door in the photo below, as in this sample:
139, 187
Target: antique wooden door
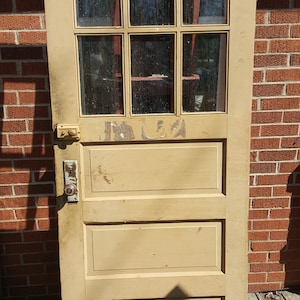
151, 112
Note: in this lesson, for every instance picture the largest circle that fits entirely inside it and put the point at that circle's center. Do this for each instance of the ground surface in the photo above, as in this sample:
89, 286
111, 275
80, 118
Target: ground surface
276, 295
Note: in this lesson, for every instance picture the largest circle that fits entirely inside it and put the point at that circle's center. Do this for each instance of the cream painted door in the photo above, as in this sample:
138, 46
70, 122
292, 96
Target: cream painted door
151, 105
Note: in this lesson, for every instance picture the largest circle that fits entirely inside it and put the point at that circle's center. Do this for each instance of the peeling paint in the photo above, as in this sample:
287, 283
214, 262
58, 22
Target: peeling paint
177, 129
144, 136
175, 126
160, 125
181, 131
115, 131
107, 131
71, 169
121, 132
160, 130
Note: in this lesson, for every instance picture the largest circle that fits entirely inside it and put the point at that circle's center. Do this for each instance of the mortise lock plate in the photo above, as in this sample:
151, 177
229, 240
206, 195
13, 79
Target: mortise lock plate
71, 180
68, 132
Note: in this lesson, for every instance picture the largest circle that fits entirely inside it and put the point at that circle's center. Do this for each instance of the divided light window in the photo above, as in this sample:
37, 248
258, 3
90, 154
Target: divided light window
152, 56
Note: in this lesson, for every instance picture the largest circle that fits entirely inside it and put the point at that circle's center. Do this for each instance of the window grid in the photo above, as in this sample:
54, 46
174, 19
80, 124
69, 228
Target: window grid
178, 30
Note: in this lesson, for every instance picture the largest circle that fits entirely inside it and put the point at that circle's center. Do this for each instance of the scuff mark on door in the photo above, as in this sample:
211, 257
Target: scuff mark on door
106, 177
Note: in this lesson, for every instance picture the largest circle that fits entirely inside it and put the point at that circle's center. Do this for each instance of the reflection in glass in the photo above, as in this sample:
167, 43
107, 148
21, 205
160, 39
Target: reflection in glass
203, 82
101, 74
204, 11
152, 79
151, 12
98, 12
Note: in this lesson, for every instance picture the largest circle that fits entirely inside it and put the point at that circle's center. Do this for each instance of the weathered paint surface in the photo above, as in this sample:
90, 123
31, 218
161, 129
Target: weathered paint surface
115, 131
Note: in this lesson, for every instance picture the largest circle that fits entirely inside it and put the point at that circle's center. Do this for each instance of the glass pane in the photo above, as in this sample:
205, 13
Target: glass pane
152, 12
204, 11
101, 74
152, 78
203, 82
98, 13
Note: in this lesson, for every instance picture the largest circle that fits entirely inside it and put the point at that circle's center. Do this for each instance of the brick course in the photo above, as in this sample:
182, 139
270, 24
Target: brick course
28, 222
273, 260
28, 219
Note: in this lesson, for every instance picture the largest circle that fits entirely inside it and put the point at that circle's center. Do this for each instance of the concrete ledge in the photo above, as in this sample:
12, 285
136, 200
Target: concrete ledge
275, 295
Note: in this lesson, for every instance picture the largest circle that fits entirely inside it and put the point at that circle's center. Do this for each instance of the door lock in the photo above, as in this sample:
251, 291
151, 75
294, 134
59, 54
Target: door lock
70, 189
68, 132
71, 180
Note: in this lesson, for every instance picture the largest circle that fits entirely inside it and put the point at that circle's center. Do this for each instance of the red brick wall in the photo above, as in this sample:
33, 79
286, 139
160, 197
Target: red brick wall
28, 224
274, 227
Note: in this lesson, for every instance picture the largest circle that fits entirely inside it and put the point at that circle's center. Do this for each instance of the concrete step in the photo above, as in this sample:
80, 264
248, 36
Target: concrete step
276, 295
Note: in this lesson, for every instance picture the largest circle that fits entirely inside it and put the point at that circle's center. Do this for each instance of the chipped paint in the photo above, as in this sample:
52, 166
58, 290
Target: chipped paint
118, 132
70, 169
178, 129
181, 130
175, 126
160, 124
160, 129
122, 131
146, 137
107, 131
70, 180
